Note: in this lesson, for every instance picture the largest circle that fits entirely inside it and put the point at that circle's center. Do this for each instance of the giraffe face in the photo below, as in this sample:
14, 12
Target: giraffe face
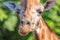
29, 19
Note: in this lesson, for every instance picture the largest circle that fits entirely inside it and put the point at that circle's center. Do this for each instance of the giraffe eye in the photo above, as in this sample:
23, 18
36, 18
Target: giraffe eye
22, 22
39, 11
28, 23
24, 15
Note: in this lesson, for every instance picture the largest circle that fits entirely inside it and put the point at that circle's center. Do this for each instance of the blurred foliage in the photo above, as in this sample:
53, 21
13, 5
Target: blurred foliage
2, 15
9, 21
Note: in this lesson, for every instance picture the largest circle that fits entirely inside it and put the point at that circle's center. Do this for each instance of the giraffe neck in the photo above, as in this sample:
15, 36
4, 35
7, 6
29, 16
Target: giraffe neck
44, 33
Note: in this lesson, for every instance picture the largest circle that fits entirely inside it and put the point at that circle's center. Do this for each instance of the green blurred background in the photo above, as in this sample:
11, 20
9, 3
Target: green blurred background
9, 21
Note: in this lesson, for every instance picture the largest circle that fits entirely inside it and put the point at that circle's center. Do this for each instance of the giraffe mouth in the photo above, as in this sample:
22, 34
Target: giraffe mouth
23, 33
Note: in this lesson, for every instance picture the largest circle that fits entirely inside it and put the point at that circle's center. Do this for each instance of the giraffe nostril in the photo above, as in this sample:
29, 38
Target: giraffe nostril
24, 15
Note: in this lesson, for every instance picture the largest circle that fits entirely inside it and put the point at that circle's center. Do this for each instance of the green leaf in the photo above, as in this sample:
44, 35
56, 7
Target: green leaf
57, 30
10, 23
2, 15
30, 38
58, 2
51, 24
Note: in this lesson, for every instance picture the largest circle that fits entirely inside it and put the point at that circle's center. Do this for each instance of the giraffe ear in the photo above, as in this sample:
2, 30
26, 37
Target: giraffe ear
49, 4
10, 5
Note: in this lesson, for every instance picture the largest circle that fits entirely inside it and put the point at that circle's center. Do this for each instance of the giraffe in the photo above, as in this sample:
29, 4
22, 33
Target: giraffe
31, 20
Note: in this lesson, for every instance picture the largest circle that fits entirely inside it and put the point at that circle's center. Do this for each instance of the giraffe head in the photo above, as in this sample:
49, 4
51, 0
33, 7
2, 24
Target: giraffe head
31, 15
